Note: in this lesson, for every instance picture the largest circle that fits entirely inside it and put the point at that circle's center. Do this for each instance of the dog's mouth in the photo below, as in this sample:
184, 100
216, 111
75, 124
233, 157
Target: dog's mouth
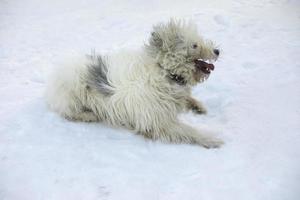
205, 67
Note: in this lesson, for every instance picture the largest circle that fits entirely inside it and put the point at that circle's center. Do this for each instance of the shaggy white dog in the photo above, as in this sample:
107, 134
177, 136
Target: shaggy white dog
143, 91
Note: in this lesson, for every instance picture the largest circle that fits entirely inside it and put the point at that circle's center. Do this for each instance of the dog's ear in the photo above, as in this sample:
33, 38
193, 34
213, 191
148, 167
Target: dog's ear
155, 40
166, 37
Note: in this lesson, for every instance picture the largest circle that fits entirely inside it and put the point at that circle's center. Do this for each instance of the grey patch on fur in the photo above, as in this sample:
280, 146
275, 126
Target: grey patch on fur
97, 75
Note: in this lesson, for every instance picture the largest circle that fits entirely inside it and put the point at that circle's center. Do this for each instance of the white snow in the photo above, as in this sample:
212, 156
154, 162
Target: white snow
252, 97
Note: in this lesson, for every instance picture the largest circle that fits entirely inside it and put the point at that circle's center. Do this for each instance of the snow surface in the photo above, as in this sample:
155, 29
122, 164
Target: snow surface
253, 99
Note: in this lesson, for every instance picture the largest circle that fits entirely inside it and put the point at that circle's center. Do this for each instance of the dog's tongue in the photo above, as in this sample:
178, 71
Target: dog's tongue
204, 65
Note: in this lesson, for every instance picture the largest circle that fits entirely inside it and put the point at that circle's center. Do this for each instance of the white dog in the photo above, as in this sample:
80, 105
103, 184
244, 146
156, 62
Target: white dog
143, 91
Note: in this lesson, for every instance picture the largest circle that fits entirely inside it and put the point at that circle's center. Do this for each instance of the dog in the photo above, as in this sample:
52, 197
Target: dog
143, 90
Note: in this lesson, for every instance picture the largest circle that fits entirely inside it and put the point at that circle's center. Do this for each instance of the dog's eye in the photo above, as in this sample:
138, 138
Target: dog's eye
194, 46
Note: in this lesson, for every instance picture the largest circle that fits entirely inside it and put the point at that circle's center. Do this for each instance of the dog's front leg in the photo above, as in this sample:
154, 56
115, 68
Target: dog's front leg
178, 132
196, 106
188, 134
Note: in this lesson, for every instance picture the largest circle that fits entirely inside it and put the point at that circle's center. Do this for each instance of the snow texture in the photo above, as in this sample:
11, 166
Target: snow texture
252, 97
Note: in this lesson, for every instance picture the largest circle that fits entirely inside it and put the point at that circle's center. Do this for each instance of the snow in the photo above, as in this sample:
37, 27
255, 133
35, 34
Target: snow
253, 102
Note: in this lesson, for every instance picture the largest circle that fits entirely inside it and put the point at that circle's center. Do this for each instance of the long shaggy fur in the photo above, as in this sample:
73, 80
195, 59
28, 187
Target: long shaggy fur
143, 91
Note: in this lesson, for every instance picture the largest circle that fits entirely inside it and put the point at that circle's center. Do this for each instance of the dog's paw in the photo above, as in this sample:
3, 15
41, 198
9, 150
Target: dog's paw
200, 110
211, 143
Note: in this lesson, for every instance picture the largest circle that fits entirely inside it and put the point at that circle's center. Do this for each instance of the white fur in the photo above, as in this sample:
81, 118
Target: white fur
142, 99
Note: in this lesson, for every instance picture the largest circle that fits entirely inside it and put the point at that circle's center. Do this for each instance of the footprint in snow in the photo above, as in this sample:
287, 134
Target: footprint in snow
222, 20
249, 65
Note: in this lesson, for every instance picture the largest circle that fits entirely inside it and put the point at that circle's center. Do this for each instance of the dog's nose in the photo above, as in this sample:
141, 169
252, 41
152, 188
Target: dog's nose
217, 52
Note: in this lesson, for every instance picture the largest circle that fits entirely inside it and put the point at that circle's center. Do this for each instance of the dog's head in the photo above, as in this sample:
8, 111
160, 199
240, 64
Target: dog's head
181, 52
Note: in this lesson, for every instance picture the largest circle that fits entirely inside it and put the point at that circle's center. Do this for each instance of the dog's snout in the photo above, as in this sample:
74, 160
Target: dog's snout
217, 52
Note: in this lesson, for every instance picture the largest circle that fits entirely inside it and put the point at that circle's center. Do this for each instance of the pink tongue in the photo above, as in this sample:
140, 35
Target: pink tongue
202, 64
210, 66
